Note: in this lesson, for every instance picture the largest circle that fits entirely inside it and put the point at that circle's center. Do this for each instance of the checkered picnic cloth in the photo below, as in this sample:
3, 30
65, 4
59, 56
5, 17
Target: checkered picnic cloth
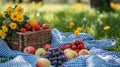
60, 38
96, 59
17, 59
99, 56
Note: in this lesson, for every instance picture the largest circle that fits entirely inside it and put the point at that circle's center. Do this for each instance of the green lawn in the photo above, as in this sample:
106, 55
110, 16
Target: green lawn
90, 20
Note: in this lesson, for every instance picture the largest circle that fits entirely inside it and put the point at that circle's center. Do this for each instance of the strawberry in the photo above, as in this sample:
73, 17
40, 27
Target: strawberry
23, 30
77, 42
67, 46
83, 47
81, 43
79, 47
77, 50
62, 47
74, 47
70, 45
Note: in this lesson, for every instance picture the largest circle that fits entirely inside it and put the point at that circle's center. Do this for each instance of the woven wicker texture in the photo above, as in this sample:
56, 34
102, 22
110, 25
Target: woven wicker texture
36, 39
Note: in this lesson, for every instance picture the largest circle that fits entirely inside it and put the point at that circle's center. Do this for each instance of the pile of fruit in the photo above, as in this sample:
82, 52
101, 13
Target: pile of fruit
74, 49
57, 56
77, 45
34, 25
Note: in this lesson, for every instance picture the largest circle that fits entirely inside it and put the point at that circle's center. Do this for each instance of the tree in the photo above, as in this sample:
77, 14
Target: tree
36, 0
20, 1
102, 5
78, 1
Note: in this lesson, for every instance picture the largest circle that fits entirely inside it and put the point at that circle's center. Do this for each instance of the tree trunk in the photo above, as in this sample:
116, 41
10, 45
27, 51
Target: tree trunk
36, 0
20, 1
102, 5
13, 0
78, 1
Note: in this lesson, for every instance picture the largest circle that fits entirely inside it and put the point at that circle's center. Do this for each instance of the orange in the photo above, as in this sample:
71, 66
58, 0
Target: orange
32, 22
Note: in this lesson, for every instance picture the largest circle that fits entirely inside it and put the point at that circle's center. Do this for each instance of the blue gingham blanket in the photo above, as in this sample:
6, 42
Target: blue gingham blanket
99, 56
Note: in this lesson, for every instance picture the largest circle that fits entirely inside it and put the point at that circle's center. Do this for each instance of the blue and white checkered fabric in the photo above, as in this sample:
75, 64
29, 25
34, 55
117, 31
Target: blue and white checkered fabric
18, 59
60, 38
98, 57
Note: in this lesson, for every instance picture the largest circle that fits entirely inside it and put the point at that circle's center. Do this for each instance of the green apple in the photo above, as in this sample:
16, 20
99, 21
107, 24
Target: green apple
66, 50
40, 52
43, 62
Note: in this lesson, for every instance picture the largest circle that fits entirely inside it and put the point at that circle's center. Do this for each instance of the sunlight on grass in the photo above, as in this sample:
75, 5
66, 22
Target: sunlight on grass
60, 15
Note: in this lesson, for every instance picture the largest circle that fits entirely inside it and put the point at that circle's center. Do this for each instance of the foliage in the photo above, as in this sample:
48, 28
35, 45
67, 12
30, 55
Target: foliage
89, 20
11, 20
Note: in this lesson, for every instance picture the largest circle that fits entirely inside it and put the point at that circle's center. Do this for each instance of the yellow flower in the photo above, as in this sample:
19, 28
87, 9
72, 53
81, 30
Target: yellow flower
79, 4
4, 28
19, 10
14, 16
3, 35
71, 24
20, 18
1, 32
79, 29
9, 10
106, 27
13, 25
39, 3
76, 32
1, 14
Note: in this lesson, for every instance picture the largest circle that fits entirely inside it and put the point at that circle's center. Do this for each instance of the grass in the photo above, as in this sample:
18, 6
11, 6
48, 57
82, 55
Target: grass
91, 21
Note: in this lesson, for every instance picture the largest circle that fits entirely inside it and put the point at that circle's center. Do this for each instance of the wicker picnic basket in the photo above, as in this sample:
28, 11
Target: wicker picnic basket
36, 39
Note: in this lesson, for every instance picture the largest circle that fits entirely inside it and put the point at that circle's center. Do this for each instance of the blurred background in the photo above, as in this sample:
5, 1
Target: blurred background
100, 18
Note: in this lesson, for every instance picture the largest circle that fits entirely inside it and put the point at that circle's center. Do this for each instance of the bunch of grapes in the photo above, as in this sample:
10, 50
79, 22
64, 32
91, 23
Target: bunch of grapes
56, 56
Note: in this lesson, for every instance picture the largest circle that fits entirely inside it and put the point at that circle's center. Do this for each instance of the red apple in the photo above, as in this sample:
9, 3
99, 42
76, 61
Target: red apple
37, 27
29, 50
23, 30
45, 26
47, 47
28, 27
